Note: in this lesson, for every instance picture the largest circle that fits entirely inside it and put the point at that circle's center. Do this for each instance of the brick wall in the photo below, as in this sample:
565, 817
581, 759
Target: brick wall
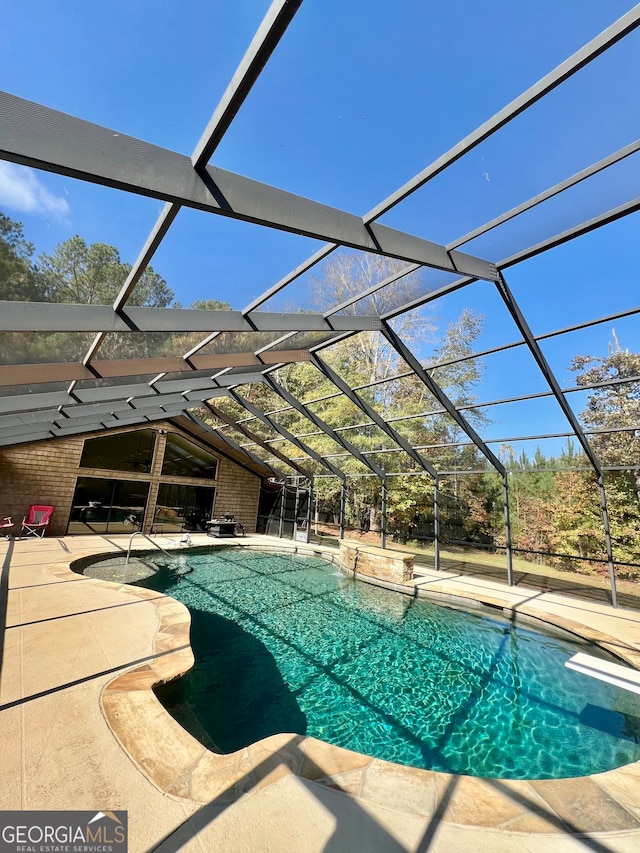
46, 472
237, 492
42, 472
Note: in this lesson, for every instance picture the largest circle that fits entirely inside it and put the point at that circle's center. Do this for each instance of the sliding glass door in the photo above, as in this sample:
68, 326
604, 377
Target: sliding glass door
108, 506
181, 508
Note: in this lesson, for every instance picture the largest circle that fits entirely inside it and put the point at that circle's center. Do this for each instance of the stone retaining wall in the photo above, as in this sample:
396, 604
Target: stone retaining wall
375, 562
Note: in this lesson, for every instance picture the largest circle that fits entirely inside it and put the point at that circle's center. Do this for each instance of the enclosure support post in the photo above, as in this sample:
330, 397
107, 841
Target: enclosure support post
436, 524
343, 500
383, 521
316, 516
507, 528
607, 539
309, 499
296, 506
282, 497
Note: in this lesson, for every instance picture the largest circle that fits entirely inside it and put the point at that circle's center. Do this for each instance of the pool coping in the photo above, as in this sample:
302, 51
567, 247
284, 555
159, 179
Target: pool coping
179, 766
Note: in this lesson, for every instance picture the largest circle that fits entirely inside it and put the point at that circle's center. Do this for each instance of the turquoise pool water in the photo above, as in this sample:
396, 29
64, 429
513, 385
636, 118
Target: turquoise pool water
287, 644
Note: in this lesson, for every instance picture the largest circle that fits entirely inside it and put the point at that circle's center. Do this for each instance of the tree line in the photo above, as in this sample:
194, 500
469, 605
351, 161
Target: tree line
85, 274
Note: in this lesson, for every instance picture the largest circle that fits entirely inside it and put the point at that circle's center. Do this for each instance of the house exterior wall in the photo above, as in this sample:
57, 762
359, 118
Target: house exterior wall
46, 472
42, 472
237, 492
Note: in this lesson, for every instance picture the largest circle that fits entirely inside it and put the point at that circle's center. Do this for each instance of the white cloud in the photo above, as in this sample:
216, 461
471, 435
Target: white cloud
21, 189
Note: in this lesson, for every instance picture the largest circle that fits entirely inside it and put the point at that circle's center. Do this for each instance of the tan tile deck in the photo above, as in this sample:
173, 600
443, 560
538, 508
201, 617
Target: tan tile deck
81, 728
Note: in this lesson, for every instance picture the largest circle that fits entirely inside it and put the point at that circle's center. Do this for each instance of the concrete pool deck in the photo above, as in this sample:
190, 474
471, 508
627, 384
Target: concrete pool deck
81, 729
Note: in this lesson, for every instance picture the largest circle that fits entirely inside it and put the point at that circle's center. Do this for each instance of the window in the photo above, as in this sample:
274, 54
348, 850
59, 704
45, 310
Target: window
128, 451
184, 459
183, 507
108, 506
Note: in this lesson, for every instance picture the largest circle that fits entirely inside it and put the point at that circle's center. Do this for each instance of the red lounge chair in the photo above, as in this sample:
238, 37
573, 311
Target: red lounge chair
36, 521
7, 525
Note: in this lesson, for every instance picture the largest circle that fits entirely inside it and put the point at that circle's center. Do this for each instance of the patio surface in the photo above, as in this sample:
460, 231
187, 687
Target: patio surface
81, 729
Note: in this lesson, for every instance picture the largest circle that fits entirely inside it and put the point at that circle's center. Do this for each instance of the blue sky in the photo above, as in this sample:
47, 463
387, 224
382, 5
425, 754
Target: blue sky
358, 98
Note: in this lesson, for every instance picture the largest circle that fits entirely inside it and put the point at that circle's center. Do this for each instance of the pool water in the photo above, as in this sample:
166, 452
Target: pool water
286, 643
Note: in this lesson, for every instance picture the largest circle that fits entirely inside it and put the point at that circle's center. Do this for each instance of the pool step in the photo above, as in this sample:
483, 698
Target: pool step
612, 673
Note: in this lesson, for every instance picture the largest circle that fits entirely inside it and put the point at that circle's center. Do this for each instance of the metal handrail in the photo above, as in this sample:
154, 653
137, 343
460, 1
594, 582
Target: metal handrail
140, 533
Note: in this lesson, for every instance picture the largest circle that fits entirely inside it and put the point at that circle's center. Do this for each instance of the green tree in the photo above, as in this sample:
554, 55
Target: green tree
94, 275
570, 457
210, 305
183, 342
576, 522
19, 279
613, 412
614, 406
78, 273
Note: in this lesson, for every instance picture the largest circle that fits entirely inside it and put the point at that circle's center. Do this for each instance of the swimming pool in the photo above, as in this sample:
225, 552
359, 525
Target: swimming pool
286, 643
